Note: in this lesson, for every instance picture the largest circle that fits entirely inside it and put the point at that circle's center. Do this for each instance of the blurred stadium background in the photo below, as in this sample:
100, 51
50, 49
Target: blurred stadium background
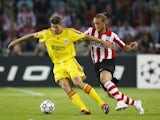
132, 20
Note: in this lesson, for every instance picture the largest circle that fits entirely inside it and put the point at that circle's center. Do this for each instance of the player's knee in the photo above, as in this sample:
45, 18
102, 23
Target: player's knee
66, 87
64, 84
78, 82
105, 76
103, 80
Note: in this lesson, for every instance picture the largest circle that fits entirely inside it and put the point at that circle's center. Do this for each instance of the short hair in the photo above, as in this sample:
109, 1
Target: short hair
103, 16
55, 20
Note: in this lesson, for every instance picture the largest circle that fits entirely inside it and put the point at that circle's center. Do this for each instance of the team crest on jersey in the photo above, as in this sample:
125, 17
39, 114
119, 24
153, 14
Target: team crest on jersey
66, 42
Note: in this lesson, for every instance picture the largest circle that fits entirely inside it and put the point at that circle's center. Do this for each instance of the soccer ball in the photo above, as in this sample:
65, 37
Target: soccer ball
47, 107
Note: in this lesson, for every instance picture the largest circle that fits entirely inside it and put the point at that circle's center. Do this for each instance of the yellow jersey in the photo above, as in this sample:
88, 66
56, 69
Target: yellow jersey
60, 47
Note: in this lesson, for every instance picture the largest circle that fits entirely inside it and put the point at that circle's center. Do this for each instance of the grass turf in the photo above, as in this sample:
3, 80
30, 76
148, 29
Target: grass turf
23, 104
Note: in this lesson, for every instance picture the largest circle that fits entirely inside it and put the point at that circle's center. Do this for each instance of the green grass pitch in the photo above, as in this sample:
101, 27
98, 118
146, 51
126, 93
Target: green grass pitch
23, 104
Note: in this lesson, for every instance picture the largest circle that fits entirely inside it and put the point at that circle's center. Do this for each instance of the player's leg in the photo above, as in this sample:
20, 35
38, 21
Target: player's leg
125, 98
61, 75
104, 71
136, 103
128, 100
73, 96
78, 82
105, 78
77, 75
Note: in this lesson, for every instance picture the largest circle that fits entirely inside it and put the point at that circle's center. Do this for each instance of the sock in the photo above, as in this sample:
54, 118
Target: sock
113, 90
127, 99
76, 100
91, 92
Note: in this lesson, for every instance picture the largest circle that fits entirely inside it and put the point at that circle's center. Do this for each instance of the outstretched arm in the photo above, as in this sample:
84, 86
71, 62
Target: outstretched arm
130, 47
106, 44
22, 39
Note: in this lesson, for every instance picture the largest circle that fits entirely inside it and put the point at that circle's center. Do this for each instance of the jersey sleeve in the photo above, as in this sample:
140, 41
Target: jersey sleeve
41, 35
88, 31
117, 40
76, 35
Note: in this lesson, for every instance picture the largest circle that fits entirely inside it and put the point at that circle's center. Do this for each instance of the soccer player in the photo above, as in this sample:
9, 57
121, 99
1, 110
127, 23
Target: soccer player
104, 61
60, 45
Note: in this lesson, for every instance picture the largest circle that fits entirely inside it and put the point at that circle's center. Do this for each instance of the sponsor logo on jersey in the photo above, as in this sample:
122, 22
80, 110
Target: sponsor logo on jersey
57, 48
96, 44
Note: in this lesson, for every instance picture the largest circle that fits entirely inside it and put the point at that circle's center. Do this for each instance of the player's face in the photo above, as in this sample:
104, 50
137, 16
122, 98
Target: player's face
99, 24
57, 28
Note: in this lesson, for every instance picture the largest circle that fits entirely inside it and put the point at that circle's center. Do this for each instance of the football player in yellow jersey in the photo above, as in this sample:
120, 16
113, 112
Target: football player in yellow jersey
60, 45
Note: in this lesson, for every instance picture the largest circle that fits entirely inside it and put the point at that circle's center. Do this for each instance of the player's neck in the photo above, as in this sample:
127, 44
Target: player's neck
102, 31
58, 32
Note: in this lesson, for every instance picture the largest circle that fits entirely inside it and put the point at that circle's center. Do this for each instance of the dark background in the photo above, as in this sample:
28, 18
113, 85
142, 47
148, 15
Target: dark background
128, 78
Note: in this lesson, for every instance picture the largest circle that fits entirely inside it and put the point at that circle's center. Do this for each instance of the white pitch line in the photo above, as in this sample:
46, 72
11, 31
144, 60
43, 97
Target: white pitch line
23, 94
25, 91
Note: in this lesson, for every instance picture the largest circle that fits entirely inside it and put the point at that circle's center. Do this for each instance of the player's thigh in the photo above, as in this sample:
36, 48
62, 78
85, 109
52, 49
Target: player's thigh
75, 69
108, 65
60, 72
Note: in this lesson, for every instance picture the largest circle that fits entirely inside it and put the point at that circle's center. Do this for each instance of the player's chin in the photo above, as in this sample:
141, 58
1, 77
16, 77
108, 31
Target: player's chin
98, 29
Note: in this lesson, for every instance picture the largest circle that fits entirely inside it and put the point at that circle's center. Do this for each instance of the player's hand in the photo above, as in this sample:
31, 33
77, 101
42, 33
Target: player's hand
107, 44
12, 44
133, 45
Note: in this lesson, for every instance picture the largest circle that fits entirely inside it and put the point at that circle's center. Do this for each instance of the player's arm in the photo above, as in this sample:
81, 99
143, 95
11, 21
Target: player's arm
106, 44
125, 47
22, 39
130, 47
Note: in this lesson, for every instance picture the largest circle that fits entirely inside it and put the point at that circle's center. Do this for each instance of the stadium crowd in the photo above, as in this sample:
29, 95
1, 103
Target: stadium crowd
132, 20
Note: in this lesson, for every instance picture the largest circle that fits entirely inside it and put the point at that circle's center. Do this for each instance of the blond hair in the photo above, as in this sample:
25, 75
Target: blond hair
103, 16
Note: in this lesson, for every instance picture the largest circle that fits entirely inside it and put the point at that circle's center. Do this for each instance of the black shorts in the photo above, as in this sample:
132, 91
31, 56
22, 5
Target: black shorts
108, 65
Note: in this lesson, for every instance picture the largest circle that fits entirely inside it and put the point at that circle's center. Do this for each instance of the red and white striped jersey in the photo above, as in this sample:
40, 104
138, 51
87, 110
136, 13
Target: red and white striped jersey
98, 52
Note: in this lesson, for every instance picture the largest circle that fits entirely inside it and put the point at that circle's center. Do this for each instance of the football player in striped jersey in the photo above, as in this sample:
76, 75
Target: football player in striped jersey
104, 61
